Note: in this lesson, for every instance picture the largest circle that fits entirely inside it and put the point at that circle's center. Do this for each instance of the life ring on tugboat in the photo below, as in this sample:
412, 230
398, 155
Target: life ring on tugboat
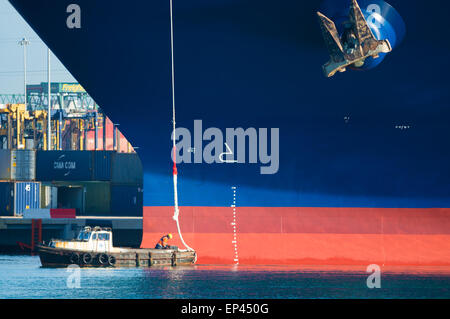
74, 258
87, 258
111, 260
103, 259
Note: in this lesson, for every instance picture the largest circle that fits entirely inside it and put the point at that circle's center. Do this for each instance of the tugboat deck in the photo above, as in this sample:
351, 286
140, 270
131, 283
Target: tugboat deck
60, 257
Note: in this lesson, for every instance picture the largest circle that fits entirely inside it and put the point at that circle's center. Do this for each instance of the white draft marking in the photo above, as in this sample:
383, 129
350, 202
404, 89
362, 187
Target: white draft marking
234, 224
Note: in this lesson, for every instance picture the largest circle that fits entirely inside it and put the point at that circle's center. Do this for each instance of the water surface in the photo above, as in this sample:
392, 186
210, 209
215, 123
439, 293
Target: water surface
23, 277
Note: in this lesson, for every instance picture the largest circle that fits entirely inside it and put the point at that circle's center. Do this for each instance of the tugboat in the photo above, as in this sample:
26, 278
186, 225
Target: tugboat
93, 248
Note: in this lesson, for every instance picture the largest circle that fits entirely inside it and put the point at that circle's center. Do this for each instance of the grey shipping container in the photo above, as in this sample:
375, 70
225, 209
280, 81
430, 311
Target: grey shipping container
126, 200
49, 196
23, 165
64, 166
126, 169
27, 196
6, 199
19, 165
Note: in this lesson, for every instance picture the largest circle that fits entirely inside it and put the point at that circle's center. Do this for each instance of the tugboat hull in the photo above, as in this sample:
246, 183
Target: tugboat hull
59, 258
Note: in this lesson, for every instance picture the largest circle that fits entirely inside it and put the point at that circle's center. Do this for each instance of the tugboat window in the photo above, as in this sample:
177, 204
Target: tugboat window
94, 237
106, 236
86, 236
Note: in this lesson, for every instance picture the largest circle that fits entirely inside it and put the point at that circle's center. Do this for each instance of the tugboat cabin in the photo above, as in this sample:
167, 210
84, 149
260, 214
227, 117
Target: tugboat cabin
95, 239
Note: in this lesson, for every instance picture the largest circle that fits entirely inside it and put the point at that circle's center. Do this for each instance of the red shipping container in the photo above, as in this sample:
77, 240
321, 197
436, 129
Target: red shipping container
63, 213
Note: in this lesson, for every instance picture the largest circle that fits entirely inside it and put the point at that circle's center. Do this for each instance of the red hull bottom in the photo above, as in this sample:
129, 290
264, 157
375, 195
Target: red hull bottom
307, 236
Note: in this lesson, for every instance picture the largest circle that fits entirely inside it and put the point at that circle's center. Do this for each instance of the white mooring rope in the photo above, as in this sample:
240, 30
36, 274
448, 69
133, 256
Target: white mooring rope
175, 173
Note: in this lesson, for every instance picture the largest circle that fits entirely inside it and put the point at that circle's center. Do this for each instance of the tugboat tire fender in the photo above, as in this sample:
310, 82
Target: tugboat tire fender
103, 259
111, 260
74, 258
87, 258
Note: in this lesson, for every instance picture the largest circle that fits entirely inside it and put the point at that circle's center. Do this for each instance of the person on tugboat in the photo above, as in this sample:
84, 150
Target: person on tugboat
163, 243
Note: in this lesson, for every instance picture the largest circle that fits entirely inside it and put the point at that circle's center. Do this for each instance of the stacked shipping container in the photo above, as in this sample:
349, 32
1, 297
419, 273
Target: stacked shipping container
27, 197
127, 194
95, 183
18, 165
18, 197
18, 190
89, 166
6, 199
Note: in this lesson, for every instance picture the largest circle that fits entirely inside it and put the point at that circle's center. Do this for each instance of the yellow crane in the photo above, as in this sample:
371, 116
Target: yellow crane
18, 119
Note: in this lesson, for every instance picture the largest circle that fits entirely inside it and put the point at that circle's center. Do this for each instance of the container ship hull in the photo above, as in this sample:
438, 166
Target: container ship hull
361, 175
308, 236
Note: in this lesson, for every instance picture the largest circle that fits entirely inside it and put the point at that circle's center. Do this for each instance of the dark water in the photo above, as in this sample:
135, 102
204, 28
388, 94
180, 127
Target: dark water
22, 277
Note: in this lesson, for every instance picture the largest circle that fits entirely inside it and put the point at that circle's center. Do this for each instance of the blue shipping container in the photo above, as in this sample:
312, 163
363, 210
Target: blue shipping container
27, 196
127, 200
64, 166
6, 199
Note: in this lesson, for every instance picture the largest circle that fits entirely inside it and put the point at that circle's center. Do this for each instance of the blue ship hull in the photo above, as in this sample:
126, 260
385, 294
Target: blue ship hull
257, 64
376, 139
